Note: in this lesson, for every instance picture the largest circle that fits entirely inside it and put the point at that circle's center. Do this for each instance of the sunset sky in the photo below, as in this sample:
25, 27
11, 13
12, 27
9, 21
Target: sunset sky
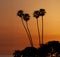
12, 33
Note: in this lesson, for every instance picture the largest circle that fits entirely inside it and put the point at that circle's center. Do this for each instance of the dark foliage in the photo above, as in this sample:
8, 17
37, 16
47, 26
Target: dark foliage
42, 12
36, 14
20, 13
26, 17
50, 49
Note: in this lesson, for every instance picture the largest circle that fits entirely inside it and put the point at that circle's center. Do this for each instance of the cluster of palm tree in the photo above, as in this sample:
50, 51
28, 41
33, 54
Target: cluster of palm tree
50, 49
36, 14
26, 17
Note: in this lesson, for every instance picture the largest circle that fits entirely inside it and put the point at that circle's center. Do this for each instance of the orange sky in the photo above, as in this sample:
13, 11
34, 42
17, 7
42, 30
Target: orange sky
12, 33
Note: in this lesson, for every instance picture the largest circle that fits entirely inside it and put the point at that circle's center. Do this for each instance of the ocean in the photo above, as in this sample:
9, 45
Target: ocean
6, 55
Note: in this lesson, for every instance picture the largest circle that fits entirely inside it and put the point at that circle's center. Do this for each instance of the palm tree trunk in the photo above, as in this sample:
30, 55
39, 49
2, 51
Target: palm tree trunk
38, 32
26, 31
29, 35
42, 30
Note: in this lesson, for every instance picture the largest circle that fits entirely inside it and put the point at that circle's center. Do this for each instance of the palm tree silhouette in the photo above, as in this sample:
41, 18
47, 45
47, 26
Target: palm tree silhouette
36, 15
26, 18
42, 13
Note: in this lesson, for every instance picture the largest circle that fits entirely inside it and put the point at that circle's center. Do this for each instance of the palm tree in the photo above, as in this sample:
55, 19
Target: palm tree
26, 17
22, 16
42, 13
36, 15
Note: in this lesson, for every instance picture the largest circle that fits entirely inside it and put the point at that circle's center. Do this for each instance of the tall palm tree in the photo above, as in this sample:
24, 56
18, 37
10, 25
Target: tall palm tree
22, 16
26, 17
42, 13
36, 15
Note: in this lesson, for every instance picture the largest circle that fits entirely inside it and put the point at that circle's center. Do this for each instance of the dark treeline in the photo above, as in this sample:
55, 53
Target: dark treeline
50, 49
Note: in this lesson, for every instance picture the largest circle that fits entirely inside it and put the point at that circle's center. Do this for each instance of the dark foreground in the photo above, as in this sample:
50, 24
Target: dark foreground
50, 49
